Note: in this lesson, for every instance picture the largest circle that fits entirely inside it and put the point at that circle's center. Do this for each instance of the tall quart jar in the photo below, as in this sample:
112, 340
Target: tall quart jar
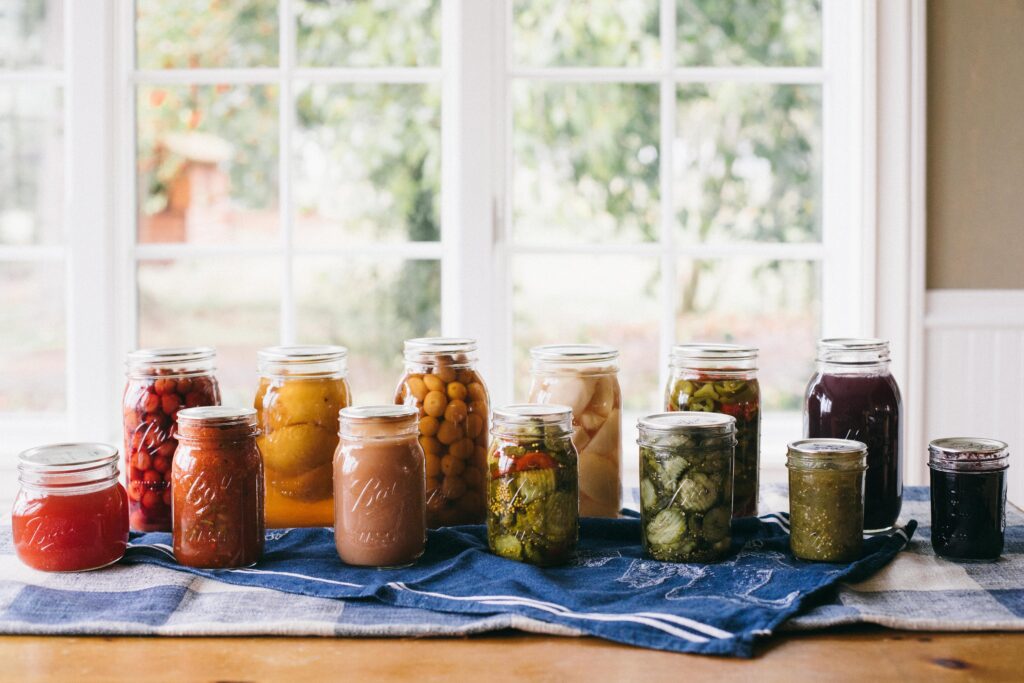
160, 383
686, 483
301, 390
442, 383
854, 396
217, 484
968, 496
585, 378
533, 484
379, 487
71, 513
722, 378
826, 499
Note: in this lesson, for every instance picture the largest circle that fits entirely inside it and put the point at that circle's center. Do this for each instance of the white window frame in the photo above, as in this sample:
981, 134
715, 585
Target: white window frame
872, 189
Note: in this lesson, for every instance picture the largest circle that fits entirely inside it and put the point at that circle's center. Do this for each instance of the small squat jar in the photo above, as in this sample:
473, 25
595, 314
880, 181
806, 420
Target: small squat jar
301, 390
686, 485
585, 377
71, 513
826, 499
217, 481
442, 383
379, 488
160, 383
533, 485
968, 495
722, 378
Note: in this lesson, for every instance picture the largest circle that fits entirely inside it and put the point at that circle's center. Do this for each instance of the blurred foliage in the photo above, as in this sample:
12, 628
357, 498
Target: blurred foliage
368, 32
748, 32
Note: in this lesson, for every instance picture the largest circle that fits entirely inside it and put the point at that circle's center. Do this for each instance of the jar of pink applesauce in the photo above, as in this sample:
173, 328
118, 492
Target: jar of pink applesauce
380, 513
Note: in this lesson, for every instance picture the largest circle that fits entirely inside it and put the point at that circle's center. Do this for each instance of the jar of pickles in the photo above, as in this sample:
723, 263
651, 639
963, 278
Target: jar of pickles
585, 378
968, 497
442, 383
532, 484
301, 390
160, 383
826, 499
218, 489
686, 484
722, 378
71, 513
379, 487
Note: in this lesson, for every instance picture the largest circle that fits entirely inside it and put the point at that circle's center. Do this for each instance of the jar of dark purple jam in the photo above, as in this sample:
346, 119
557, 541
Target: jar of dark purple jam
854, 396
968, 478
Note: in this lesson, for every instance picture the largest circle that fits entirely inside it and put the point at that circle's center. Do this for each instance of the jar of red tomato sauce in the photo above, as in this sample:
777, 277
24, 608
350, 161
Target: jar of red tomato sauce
160, 383
71, 513
217, 482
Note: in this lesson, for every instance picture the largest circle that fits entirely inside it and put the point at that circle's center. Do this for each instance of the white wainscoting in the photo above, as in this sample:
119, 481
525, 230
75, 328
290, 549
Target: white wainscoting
974, 372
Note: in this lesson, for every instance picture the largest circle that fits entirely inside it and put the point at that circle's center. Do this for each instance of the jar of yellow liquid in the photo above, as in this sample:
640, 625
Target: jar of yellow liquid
301, 391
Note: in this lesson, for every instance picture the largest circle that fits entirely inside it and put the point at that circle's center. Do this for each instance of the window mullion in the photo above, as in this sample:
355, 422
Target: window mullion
286, 120
667, 121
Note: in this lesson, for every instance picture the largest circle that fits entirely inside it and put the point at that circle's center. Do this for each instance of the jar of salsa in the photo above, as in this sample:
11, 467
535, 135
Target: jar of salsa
217, 481
826, 499
686, 482
71, 513
379, 487
442, 383
968, 496
160, 383
533, 485
854, 396
585, 377
301, 390
722, 378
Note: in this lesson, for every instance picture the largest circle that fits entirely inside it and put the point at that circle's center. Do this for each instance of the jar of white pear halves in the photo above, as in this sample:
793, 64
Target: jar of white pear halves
585, 378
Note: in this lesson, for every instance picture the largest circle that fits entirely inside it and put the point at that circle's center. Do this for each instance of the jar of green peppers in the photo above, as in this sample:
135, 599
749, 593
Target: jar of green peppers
826, 499
686, 484
722, 378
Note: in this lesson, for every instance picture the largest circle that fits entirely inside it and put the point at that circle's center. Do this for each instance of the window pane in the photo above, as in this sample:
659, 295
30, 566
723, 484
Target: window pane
31, 165
368, 164
190, 34
748, 163
208, 163
586, 162
593, 33
370, 306
593, 299
31, 33
368, 32
773, 305
32, 338
749, 32
232, 304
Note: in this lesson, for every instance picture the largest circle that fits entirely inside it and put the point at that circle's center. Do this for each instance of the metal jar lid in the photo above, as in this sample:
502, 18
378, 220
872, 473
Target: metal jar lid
688, 422
968, 454
845, 454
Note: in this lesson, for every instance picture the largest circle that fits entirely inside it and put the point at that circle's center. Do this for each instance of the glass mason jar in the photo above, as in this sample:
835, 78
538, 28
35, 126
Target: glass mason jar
854, 396
217, 481
379, 487
442, 383
160, 383
686, 485
71, 512
968, 496
533, 485
301, 390
722, 378
585, 378
826, 499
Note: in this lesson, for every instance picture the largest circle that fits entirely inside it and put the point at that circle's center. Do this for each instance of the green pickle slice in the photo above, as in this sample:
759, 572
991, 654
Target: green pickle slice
826, 515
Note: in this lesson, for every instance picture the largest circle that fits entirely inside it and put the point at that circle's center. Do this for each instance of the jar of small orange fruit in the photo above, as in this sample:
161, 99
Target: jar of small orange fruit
442, 382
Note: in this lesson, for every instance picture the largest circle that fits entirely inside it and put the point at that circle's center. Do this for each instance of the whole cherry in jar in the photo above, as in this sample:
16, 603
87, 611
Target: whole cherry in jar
160, 383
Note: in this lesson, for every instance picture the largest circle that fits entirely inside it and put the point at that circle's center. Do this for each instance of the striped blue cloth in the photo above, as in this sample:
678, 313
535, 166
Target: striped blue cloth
301, 588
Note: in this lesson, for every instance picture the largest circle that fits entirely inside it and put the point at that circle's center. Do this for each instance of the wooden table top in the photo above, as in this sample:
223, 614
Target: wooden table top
862, 653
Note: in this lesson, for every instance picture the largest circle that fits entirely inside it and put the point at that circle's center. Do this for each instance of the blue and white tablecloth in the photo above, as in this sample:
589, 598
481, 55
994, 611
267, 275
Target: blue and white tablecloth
610, 591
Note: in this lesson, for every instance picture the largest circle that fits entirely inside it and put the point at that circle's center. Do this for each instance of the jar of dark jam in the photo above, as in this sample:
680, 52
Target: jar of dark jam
854, 396
968, 487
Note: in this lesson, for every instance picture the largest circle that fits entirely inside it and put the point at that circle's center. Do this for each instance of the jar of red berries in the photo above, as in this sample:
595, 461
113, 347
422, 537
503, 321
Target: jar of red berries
160, 383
